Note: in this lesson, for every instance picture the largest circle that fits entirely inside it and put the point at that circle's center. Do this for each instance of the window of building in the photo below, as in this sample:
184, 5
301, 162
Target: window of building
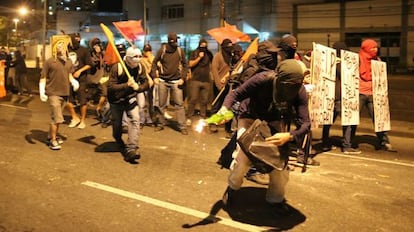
172, 11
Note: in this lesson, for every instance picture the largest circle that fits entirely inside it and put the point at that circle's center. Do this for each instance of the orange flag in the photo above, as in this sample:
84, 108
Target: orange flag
228, 32
110, 57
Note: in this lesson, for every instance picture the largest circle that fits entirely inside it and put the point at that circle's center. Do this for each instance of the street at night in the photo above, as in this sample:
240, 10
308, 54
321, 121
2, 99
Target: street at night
177, 185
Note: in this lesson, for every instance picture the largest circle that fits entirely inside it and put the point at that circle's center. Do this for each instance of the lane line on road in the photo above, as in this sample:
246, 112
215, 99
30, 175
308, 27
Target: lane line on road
370, 159
173, 207
13, 106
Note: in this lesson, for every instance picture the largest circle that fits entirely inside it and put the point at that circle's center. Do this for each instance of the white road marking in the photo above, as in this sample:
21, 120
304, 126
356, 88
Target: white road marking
173, 207
370, 159
13, 106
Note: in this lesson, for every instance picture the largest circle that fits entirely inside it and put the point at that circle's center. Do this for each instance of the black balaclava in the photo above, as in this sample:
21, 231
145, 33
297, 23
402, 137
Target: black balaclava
288, 45
172, 41
227, 50
75, 39
202, 48
288, 82
267, 55
121, 50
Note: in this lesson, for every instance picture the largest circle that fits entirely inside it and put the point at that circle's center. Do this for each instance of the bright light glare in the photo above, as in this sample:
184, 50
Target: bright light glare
23, 11
200, 125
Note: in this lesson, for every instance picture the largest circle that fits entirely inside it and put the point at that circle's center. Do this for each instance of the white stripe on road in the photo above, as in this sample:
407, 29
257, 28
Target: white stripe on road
370, 159
13, 106
173, 207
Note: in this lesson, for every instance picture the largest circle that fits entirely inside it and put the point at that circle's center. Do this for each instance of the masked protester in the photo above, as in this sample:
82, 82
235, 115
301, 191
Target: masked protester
200, 64
288, 45
169, 71
54, 85
81, 59
367, 53
220, 70
270, 96
122, 97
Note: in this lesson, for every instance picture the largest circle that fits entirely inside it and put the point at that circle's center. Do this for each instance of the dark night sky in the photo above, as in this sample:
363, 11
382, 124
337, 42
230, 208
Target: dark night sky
103, 5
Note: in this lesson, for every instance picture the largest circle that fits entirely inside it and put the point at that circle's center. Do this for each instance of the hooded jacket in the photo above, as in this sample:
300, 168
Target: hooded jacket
366, 54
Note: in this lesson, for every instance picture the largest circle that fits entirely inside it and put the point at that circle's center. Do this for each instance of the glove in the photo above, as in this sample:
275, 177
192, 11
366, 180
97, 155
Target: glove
134, 85
309, 88
75, 84
42, 91
222, 116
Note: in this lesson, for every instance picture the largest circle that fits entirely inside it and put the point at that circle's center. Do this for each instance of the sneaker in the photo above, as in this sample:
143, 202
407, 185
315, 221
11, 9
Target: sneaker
212, 128
124, 129
58, 139
54, 145
74, 123
131, 156
228, 195
184, 131
280, 208
81, 125
326, 147
167, 116
351, 151
311, 162
188, 122
259, 178
387, 147
158, 128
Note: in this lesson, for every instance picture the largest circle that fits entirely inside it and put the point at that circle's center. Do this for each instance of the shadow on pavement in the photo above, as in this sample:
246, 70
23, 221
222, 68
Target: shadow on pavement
38, 135
250, 207
108, 147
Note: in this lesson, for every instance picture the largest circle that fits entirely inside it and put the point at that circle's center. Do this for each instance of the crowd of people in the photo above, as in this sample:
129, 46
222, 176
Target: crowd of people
272, 85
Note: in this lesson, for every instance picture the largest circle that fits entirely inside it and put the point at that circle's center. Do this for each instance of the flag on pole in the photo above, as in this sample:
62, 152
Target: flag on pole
111, 42
130, 30
110, 57
228, 32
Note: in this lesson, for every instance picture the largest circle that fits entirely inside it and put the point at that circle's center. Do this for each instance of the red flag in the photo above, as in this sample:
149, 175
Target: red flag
110, 57
228, 32
130, 29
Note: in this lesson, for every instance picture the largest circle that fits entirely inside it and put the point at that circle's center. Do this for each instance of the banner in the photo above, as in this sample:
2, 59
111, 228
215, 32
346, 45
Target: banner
349, 88
380, 96
323, 75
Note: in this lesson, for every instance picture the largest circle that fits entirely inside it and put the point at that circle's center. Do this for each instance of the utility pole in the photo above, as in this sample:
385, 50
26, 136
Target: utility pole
145, 21
222, 19
44, 30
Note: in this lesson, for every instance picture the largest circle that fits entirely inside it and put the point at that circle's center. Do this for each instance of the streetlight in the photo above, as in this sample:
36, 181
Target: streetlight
23, 11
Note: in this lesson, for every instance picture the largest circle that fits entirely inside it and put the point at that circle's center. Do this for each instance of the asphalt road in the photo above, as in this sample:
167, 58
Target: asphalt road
177, 185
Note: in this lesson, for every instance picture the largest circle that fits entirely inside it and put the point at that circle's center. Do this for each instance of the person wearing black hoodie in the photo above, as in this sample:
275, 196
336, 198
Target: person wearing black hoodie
271, 96
169, 71
200, 64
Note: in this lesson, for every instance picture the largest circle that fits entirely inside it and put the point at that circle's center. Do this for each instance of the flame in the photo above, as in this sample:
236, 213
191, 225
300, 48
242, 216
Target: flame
200, 125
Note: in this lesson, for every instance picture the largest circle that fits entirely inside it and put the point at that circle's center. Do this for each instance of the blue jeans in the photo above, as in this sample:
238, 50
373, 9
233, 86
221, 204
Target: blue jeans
132, 114
348, 132
176, 94
368, 102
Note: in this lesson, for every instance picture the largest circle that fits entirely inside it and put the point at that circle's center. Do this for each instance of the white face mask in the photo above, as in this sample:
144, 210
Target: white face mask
132, 62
